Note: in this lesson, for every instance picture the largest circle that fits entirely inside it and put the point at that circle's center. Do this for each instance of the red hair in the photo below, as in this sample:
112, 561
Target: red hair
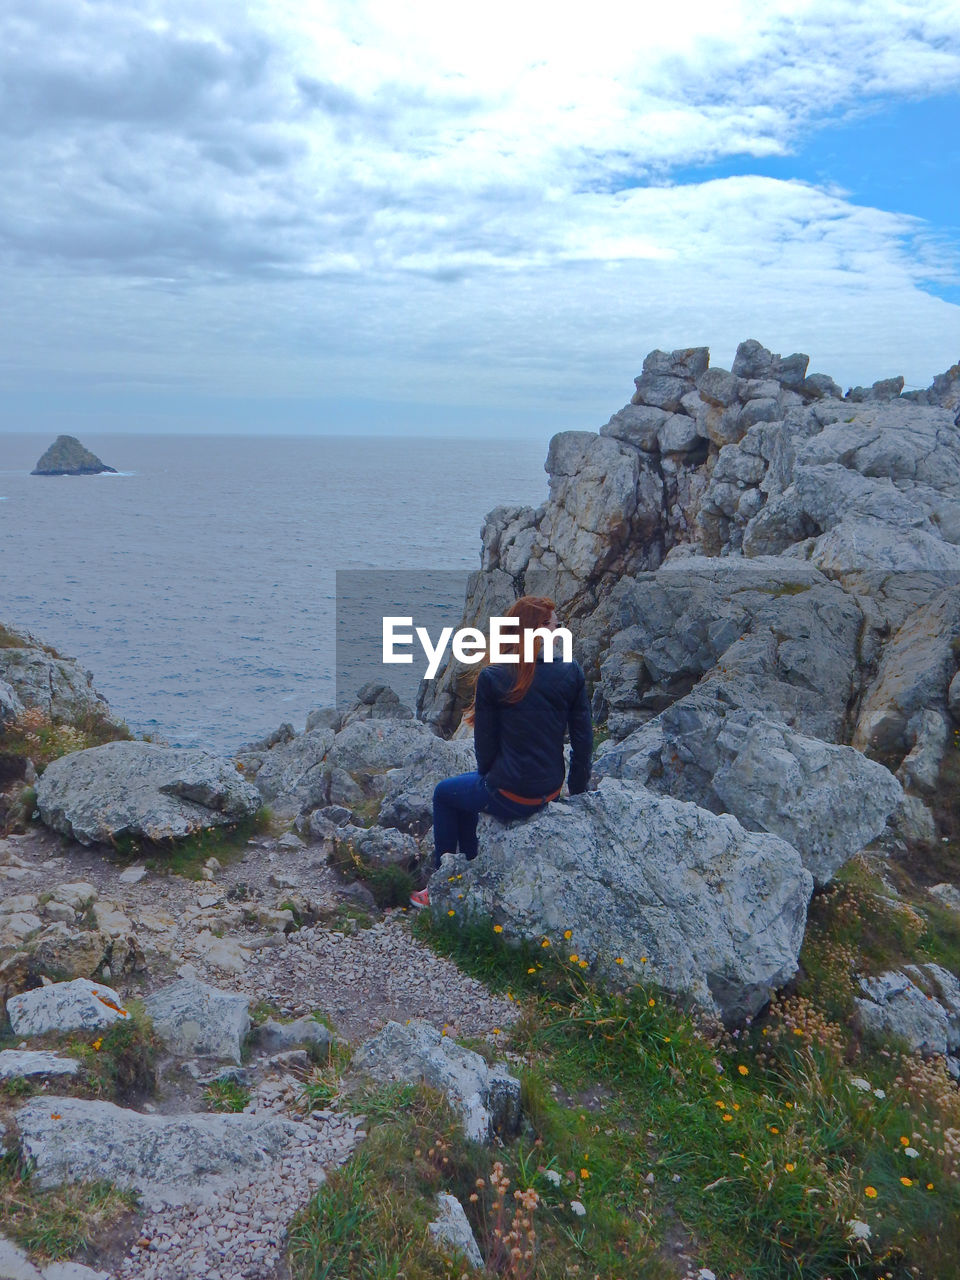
534, 612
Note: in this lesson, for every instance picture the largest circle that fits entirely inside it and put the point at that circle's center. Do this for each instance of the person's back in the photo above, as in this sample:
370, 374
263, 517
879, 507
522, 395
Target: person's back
521, 713
519, 745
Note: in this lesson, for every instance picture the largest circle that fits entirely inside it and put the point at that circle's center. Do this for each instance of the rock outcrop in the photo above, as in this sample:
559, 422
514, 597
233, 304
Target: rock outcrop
141, 790
35, 676
650, 888
749, 548
68, 457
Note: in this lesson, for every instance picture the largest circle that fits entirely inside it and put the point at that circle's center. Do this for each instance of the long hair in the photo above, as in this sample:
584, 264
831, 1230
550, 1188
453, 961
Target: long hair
533, 612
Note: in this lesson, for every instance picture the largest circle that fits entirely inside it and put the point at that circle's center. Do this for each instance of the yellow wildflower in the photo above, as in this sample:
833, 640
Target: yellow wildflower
451, 912
870, 1193
498, 928
727, 1116
744, 1071
651, 1002
619, 959
907, 1182
568, 934
789, 1167
574, 958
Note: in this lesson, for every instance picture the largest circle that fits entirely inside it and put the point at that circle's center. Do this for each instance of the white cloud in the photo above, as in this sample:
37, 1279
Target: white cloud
283, 197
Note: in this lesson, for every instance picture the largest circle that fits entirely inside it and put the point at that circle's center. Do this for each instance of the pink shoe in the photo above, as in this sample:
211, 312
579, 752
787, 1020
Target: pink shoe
420, 899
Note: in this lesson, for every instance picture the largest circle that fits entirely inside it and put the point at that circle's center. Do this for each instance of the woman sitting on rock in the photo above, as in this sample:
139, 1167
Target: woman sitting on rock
520, 714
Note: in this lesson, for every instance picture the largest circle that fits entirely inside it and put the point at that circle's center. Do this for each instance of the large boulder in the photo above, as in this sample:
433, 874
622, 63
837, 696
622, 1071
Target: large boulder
651, 888
194, 1018
179, 1159
141, 790
487, 1098
828, 801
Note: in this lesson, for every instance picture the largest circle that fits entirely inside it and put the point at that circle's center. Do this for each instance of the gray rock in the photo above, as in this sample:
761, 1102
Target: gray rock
819, 386
376, 702
687, 363
28, 1063
140, 789
920, 769
408, 791
719, 387
65, 1006
885, 389
324, 718
953, 698
486, 1098
72, 1271
661, 390
195, 1019
41, 678
452, 1228
67, 457
377, 846
753, 360
913, 822
177, 1159
14, 1263
275, 1037
827, 801
685, 898
678, 434
10, 705
917, 666
921, 1005
292, 772
637, 424
947, 894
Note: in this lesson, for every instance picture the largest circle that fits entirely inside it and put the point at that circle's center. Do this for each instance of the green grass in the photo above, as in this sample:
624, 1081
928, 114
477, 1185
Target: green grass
370, 1219
187, 857
390, 885
118, 1063
761, 1148
226, 1095
60, 1223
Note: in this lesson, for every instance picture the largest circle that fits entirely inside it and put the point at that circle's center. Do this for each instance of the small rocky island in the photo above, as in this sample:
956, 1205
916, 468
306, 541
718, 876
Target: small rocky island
68, 457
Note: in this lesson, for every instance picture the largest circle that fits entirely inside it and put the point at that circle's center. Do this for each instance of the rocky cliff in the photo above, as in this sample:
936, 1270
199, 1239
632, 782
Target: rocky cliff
749, 557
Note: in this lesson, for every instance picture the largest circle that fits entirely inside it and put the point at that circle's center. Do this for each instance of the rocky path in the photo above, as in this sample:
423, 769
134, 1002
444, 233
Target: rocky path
235, 932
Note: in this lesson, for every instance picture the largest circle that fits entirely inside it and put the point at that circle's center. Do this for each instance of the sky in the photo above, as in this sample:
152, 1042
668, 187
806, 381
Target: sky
434, 218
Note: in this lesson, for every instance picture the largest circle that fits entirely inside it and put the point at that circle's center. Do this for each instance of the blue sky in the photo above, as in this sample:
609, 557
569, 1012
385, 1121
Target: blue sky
351, 215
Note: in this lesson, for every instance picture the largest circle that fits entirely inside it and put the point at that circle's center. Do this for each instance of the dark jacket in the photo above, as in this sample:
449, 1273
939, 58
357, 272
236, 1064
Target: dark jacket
519, 745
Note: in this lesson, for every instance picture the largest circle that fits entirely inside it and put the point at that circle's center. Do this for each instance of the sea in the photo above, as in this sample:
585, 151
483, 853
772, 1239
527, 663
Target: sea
199, 584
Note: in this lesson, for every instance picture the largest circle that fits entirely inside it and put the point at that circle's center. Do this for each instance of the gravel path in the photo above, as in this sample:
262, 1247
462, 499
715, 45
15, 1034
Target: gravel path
229, 933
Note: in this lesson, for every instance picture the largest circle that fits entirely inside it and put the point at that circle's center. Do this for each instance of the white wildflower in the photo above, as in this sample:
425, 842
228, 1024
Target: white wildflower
912, 1152
551, 1175
879, 1093
858, 1230
577, 1208
858, 1082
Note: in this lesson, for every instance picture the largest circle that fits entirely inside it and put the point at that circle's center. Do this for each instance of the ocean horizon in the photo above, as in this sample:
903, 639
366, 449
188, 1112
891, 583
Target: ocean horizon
198, 584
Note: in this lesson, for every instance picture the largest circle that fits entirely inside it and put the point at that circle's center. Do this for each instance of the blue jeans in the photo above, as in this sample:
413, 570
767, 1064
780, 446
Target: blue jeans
457, 803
